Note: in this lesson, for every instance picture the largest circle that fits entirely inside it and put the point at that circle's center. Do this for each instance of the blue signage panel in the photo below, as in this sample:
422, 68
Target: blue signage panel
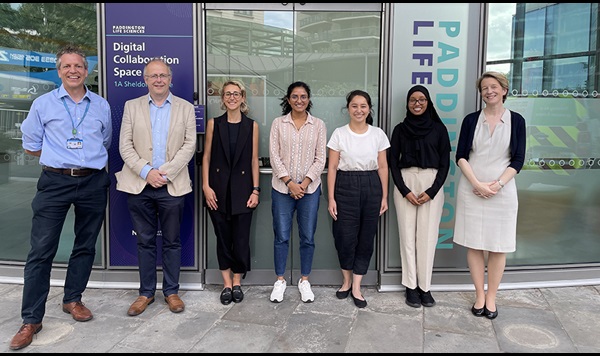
199, 110
135, 33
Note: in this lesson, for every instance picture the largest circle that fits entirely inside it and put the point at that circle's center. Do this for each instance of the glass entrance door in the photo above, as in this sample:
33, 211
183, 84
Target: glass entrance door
267, 47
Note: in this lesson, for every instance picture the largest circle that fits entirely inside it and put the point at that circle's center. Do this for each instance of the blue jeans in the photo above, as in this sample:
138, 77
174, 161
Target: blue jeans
283, 207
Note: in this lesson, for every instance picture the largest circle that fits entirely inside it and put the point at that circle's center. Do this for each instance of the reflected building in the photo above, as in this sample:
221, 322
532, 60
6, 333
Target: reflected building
549, 51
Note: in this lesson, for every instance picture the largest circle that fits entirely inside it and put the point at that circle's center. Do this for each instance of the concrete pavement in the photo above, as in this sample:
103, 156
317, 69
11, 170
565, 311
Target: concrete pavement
547, 320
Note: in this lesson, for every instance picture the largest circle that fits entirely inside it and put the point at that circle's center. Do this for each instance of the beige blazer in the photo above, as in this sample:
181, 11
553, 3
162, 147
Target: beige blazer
135, 145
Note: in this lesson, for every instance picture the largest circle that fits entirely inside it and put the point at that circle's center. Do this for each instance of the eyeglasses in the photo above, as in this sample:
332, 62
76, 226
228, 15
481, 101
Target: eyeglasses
235, 94
421, 101
156, 76
301, 97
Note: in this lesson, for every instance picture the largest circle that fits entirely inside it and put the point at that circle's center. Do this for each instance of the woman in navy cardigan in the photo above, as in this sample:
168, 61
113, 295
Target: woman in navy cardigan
490, 152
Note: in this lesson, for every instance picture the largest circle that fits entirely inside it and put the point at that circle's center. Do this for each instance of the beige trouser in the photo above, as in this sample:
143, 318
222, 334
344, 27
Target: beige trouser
418, 227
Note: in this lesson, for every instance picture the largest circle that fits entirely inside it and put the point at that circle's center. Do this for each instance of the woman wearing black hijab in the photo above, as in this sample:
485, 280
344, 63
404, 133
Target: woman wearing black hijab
419, 161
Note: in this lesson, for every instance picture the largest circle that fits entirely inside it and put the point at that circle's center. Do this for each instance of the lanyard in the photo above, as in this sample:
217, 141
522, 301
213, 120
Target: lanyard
74, 131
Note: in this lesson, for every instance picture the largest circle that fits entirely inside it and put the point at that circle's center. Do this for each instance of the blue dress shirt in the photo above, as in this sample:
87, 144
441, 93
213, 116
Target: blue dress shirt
160, 118
48, 126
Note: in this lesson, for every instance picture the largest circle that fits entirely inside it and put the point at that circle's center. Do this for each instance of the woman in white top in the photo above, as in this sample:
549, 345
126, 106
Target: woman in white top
490, 152
357, 182
297, 149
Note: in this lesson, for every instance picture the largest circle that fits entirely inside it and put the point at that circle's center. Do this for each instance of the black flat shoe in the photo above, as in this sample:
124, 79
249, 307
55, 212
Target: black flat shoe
413, 298
237, 293
343, 294
478, 312
226, 296
490, 314
426, 298
359, 303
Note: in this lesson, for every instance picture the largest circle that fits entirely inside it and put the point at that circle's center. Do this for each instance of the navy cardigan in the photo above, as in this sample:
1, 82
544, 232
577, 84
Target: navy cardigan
517, 138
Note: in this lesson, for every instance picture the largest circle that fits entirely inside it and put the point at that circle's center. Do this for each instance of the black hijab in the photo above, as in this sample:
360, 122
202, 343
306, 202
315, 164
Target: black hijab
418, 126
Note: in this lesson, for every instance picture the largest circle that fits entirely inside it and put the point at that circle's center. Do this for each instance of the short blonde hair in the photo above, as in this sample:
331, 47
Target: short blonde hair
244, 106
501, 78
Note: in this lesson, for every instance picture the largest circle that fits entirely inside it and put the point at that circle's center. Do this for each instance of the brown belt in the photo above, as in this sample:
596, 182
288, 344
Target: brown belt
73, 172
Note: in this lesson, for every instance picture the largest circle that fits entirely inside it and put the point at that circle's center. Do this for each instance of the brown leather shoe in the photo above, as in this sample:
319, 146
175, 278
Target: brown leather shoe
24, 336
78, 310
175, 303
139, 305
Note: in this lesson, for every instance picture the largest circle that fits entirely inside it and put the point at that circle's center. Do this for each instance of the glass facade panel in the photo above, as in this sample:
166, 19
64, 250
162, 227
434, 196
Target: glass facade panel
548, 50
31, 36
499, 42
343, 55
568, 28
559, 186
270, 50
257, 50
533, 42
570, 74
533, 77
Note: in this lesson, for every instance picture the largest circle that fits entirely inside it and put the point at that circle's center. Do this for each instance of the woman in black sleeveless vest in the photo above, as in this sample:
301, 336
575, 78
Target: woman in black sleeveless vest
230, 182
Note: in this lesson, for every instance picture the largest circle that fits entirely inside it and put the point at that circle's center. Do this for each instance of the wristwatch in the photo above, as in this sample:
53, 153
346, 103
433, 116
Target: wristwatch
256, 188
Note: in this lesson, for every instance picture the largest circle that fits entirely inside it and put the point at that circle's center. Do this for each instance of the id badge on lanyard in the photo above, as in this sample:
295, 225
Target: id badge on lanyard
74, 142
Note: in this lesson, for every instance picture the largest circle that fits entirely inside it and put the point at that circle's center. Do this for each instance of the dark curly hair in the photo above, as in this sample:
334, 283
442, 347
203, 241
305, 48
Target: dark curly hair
286, 108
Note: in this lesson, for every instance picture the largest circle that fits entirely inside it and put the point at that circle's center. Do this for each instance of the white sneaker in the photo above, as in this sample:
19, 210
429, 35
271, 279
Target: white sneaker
305, 291
278, 290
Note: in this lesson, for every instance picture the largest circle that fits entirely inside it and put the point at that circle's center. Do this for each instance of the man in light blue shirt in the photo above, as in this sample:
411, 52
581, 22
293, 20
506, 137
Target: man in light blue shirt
70, 130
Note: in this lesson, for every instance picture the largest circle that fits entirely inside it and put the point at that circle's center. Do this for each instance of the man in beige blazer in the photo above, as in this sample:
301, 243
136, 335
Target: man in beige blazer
157, 142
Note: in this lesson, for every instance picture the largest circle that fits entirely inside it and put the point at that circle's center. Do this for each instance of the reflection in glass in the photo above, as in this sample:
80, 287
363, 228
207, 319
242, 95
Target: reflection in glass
28, 71
559, 189
333, 52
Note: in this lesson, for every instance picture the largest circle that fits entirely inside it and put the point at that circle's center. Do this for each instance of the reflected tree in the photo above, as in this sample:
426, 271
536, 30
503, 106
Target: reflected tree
46, 27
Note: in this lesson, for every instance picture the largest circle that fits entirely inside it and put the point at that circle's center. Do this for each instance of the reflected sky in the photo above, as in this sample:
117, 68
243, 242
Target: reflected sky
281, 19
500, 34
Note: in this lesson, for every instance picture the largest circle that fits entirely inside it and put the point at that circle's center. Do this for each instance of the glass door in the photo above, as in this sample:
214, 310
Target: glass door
267, 47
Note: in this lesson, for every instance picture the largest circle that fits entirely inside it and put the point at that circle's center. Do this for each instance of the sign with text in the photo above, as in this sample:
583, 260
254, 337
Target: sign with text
199, 111
27, 58
136, 33
438, 50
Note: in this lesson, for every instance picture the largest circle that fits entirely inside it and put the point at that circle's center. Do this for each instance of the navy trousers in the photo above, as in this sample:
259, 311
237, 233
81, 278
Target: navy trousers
55, 195
147, 209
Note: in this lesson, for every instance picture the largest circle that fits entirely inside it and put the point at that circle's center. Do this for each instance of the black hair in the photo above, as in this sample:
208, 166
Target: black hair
365, 95
286, 108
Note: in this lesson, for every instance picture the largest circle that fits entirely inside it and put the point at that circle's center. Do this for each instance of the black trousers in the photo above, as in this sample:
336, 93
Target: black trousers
358, 197
233, 240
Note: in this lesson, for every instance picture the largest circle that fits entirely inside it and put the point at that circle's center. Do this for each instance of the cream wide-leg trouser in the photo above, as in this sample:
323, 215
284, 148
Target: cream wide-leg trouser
418, 227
